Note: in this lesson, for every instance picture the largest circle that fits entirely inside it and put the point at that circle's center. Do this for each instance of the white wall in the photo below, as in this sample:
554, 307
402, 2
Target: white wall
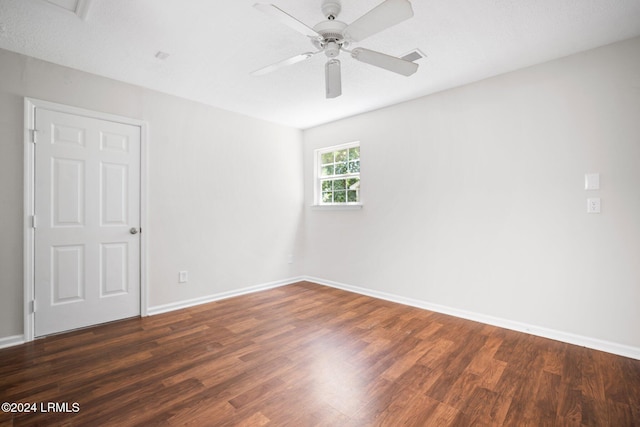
224, 197
474, 198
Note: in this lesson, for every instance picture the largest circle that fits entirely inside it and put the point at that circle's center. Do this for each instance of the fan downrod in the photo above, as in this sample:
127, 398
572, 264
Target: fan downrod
331, 9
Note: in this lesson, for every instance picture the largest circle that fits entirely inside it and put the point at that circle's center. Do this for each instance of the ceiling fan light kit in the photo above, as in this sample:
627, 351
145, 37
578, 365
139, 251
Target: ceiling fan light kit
332, 36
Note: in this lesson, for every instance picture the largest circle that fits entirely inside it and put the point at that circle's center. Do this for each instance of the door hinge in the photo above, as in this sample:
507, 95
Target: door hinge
34, 135
33, 306
33, 221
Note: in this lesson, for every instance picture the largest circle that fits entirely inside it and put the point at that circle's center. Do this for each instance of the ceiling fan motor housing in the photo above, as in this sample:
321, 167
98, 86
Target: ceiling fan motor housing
332, 38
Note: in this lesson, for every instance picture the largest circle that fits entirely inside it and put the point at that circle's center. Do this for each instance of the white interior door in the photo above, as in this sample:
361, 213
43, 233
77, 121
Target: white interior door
87, 213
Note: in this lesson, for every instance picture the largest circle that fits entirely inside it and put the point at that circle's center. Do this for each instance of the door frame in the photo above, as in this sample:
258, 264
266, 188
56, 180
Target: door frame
30, 105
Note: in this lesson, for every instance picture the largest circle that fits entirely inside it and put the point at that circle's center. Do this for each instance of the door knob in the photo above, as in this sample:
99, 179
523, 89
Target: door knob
133, 230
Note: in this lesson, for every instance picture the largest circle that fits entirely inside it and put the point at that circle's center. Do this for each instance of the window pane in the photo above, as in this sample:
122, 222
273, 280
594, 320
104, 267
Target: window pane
352, 196
341, 156
354, 167
339, 197
353, 183
339, 184
354, 153
327, 170
326, 185
327, 158
326, 197
341, 168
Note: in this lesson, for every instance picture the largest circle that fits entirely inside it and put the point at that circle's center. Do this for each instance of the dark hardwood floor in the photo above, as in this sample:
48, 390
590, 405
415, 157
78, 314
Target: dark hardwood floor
308, 355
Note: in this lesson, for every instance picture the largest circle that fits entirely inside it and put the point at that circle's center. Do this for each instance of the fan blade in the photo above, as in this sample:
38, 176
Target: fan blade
284, 63
381, 17
286, 19
391, 63
333, 79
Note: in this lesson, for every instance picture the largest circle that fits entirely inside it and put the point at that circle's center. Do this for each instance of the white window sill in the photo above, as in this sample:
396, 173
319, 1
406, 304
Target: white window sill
337, 207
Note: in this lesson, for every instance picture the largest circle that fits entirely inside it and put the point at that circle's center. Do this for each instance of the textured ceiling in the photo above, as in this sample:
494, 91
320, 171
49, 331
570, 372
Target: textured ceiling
215, 44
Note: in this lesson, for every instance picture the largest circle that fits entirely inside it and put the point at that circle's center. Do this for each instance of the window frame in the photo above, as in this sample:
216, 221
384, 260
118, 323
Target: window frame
318, 179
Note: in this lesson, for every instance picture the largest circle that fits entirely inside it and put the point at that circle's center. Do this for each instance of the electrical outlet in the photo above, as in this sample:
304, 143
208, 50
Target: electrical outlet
593, 205
183, 276
290, 259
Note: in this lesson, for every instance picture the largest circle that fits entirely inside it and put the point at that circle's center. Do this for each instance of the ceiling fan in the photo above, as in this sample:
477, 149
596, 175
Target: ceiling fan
332, 36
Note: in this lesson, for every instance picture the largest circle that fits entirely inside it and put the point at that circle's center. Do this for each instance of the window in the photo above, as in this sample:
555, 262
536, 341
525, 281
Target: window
338, 175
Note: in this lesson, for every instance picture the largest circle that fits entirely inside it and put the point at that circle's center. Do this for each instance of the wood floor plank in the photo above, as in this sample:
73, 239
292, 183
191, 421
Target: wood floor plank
632, 380
309, 355
476, 409
445, 415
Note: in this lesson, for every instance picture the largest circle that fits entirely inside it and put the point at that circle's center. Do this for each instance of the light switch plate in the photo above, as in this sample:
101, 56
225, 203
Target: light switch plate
183, 277
592, 181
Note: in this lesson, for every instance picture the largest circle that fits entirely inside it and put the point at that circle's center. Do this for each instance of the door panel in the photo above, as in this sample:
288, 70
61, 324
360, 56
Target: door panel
67, 274
67, 192
87, 198
114, 279
114, 200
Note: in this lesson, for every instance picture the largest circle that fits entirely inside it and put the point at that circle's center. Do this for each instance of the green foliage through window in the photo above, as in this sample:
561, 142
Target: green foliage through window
339, 170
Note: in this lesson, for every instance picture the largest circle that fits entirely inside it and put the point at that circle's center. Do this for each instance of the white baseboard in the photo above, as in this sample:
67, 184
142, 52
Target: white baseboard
580, 340
11, 341
220, 296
